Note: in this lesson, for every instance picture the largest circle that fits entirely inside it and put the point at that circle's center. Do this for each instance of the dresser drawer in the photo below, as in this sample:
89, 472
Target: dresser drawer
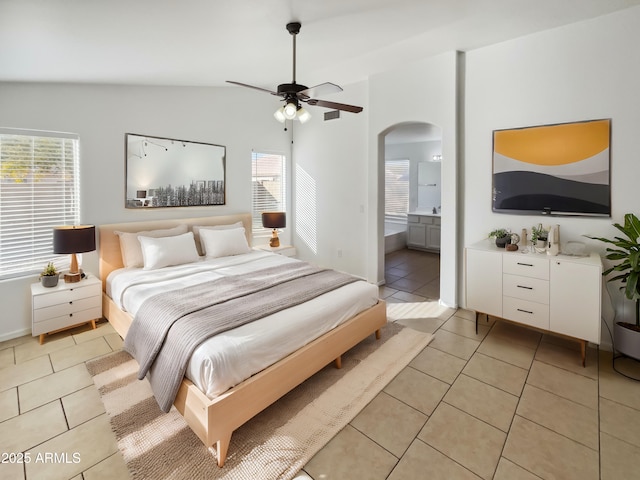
66, 295
524, 311
63, 321
525, 288
66, 309
526, 265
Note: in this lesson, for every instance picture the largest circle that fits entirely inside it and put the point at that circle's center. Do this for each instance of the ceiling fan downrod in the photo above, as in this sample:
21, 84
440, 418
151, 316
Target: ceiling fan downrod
294, 29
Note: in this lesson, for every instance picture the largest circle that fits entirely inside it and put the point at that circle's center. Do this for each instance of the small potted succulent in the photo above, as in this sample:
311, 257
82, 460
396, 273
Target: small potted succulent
539, 234
49, 276
502, 236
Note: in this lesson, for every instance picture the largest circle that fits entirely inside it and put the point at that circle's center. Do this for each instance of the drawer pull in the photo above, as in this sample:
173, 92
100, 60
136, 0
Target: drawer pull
528, 288
524, 311
71, 303
525, 264
71, 314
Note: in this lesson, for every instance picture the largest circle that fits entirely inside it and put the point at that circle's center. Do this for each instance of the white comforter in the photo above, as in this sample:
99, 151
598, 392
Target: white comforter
231, 357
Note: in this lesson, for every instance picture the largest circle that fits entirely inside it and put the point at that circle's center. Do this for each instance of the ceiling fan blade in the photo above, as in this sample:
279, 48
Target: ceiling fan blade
320, 90
254, 87
337, 106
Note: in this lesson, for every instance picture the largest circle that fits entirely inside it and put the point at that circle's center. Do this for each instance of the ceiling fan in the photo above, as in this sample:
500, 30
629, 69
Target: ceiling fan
294, 94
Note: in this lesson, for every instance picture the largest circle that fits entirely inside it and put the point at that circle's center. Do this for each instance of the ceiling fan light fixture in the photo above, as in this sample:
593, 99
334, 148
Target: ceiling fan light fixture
279, 115
303, 115
290, 110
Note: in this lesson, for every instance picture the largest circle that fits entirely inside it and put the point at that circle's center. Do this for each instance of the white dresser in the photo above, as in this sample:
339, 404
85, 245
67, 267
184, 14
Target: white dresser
64, 306
560, 294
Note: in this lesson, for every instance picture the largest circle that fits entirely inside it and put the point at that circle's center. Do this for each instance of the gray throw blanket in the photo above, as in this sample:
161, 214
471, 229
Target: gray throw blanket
170, 326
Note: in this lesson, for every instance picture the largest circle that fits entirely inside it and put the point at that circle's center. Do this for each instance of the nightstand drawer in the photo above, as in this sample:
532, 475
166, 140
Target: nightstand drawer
66, 309
526, 288
63, 321
526, 265
524, 311
65, 295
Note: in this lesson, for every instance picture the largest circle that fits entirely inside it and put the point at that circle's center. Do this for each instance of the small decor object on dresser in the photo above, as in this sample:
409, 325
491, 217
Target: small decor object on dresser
502, 236
49, 276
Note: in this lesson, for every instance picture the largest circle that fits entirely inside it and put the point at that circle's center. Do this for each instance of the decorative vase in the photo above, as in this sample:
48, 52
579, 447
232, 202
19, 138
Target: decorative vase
626, 340
502, 242
49, 280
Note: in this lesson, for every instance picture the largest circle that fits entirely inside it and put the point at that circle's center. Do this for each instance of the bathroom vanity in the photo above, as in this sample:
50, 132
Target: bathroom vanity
423, 230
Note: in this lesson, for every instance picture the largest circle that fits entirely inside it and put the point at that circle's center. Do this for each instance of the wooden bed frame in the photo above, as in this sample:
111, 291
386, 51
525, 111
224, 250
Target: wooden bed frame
214, 421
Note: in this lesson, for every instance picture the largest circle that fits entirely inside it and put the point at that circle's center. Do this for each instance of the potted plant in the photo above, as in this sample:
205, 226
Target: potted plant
502, 236
626, 336
539, 234
49, 276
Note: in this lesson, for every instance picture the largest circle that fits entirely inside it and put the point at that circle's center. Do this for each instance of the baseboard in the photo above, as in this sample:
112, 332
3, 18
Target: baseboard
15, 334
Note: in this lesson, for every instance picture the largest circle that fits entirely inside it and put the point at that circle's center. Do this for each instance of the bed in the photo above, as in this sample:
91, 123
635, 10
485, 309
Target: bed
213, 414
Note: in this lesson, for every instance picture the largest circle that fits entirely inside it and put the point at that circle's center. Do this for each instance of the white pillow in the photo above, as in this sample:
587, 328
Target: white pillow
130, 245
221, 243
166, 251
197, 228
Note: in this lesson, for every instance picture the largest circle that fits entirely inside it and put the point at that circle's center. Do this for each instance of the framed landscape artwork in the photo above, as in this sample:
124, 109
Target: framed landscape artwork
166, 172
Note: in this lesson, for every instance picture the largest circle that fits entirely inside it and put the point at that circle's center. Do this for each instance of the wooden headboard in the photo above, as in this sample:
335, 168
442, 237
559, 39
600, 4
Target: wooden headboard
109, 249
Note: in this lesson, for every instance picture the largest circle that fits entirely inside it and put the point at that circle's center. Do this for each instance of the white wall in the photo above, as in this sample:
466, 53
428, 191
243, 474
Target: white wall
587, 70
423, 91
101, 115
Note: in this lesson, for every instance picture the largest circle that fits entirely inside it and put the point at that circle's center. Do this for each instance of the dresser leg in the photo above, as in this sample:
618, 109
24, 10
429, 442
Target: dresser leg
583, 352
41, 339
93, 324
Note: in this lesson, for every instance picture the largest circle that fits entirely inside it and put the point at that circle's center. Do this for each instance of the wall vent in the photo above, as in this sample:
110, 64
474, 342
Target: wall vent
333, 114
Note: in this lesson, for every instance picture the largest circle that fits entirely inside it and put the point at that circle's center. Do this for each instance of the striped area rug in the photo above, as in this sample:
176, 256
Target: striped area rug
275, 444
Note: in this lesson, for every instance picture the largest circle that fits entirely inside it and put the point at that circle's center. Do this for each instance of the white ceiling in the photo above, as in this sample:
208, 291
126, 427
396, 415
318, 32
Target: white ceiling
205, 42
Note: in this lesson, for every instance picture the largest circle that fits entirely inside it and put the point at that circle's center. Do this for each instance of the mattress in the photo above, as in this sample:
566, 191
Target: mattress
229, 358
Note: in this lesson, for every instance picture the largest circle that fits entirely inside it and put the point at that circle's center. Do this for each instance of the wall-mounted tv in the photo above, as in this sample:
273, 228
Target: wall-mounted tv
560, 169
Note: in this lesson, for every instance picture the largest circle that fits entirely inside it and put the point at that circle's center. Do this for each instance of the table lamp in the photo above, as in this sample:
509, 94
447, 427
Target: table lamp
74, 239
274, 220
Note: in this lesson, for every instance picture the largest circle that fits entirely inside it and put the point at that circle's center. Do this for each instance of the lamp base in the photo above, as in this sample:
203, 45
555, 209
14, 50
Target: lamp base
70, 277
274, 242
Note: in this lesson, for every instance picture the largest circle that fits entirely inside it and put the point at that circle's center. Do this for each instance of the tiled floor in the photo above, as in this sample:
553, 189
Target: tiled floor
508, 403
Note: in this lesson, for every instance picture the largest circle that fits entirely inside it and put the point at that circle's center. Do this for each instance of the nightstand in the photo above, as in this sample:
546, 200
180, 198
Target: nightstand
64, 306
286, 250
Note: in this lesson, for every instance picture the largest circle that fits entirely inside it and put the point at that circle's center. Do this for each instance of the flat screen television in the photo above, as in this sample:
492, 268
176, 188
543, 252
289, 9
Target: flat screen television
560, 169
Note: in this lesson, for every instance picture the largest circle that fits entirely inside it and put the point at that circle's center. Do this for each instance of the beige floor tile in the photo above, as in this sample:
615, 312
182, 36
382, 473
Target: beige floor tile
30, 429
497, 373
466, 314
90, 442
104, 328
8, 404
577, 388
423, 461
618, 459
465, 328
502, 349
489, 404
426, 325
110, 468
417, 389
510, 471
438, 364
563, 416
79, 353
614, 386
569, 359
115, 341
7, 358
384, 291
51, 387
12, 471
82, 405
517, 334
620, 421
350, 454
24, 372
409, 297
15, 341
454, 344
470, 442
430, 290
548, 454
33, 349
390, 423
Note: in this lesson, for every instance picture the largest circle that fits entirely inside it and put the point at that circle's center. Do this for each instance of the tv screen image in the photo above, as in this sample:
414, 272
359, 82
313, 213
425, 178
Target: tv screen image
560, 169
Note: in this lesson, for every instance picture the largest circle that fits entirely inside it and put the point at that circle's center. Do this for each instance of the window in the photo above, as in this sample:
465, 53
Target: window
396, 189
268, 179
38, 191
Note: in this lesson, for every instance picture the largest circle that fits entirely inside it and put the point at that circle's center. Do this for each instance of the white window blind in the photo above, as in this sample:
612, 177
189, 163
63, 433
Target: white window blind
39, 189
396, 192
268, 180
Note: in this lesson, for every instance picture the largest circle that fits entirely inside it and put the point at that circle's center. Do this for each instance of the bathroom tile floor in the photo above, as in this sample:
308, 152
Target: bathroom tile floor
507, 403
